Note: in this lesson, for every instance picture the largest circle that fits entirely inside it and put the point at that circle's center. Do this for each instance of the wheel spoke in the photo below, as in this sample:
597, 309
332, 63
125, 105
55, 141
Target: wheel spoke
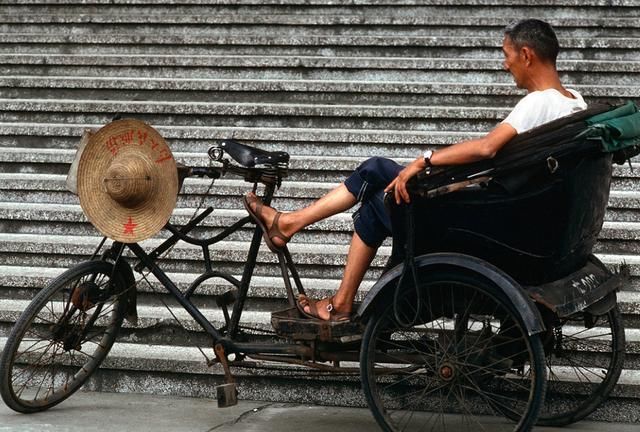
55, 346
471, 357
585, 369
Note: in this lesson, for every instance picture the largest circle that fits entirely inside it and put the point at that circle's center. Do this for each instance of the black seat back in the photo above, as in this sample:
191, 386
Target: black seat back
540, 232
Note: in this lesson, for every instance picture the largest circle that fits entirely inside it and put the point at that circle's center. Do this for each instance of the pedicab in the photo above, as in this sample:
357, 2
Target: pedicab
472, 320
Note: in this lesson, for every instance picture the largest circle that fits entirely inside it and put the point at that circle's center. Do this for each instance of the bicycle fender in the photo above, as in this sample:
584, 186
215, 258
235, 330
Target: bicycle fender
131, 294
514, 292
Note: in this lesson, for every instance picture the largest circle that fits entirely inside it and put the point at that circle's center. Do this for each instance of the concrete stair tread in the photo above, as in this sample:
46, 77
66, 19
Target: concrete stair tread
611, 230
226, 186
261, 286
480, 53
282, 134
298, 61
220, 218
297, 162
301, 162
415, 113
242, 108
189, 360
393, 40
276, 3
229, 251
291, 85
323, 17
226, 251
414, 71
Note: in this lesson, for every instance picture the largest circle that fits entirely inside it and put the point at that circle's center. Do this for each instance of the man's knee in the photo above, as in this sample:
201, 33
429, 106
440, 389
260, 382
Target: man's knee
378, 171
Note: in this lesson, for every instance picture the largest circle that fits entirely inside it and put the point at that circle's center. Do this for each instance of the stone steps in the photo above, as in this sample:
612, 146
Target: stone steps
604, 6
269, 61
407, 76
31, 250
341, 142
130, 359
415, 19
419, 50
158, 316
52, 183
298, 91
45, 157
391, 40
67, 219
331, 84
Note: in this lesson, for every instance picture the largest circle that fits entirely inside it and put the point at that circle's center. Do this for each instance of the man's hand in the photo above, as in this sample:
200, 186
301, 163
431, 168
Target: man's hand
399, 184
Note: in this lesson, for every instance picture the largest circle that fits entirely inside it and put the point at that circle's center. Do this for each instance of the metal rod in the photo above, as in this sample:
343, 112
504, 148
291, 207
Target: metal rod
272, 348
294, 271
208, 275
95, 253
249, 266
295, 361
285, 277
173, 289
165, 245
229, 230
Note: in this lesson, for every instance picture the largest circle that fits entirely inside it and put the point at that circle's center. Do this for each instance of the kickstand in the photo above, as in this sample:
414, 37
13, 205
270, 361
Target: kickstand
227, 393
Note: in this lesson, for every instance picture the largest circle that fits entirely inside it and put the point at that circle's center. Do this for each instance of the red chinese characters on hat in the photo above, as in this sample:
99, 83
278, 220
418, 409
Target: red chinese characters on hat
140, 138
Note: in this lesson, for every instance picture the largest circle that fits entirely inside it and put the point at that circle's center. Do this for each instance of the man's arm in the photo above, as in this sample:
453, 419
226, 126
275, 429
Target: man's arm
456, 154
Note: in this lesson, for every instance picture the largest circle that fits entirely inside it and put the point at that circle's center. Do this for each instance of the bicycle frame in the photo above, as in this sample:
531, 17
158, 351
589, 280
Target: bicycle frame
226, 337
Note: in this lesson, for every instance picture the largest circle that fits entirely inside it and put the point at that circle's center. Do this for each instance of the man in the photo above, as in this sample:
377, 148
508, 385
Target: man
530, 48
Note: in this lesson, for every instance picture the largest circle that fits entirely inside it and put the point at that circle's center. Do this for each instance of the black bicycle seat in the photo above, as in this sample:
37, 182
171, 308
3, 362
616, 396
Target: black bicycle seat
250, 156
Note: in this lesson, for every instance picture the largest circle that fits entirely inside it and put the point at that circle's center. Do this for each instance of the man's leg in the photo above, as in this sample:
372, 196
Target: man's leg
334, 202
368, 180
358, 260
371, 223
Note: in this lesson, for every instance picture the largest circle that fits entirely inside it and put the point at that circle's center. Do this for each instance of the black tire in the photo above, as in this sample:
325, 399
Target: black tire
466, 358
62, 337
584, 361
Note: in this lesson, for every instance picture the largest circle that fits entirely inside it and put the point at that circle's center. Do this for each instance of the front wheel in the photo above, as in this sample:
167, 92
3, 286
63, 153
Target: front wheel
62, 337
459, 356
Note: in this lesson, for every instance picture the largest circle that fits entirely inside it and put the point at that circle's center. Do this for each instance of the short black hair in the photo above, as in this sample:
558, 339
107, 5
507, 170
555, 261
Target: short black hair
537, 35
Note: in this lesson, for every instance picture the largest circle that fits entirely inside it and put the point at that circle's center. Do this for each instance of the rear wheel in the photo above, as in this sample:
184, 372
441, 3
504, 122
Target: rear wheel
62, 337
459, 357
585, 355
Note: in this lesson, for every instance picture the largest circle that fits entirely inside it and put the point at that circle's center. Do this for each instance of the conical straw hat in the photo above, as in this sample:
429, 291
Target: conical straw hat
127, 181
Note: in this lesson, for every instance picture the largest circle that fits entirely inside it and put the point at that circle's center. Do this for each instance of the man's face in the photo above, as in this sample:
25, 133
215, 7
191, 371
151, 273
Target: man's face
514, 62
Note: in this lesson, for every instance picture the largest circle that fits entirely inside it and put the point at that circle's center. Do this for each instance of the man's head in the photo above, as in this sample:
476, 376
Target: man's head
526, 43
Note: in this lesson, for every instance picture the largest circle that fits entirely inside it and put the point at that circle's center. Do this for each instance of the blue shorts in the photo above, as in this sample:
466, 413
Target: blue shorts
371, 221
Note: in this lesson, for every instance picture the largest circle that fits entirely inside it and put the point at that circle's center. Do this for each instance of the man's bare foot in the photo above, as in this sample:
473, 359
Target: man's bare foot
324, 309
270, 220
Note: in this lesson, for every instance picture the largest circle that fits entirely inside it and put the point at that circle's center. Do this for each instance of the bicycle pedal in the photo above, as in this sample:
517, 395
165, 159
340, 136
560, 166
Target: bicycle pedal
227, 395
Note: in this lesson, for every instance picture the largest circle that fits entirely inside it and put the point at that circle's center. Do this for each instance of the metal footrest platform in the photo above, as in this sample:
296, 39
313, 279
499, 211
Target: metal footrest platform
289, 323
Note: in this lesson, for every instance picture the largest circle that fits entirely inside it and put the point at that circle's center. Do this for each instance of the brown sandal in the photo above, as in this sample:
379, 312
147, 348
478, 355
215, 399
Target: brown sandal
273, 231
334, 315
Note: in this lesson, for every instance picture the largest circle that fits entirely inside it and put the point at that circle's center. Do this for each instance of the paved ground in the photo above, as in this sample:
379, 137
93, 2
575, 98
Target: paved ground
107, 412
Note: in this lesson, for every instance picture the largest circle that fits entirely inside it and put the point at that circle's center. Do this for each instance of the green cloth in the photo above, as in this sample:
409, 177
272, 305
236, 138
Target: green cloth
617, 129
624, 110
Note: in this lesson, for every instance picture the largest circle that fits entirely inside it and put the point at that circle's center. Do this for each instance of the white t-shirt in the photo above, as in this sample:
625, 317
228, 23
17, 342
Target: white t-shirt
540, 107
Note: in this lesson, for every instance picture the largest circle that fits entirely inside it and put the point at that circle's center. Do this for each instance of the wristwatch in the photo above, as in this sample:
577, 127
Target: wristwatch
427, 160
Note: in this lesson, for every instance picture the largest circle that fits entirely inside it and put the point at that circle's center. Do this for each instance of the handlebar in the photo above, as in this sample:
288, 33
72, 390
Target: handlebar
267, 174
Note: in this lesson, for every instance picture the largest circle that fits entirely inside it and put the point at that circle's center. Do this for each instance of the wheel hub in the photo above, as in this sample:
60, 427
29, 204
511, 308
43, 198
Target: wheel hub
446, 372
84, 296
